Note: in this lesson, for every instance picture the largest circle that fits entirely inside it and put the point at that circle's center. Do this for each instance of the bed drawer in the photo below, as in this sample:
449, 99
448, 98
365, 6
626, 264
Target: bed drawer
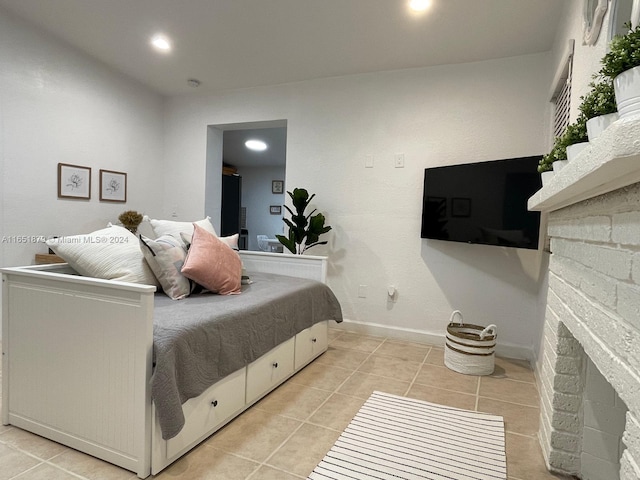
269, 370
208, 410
310, 343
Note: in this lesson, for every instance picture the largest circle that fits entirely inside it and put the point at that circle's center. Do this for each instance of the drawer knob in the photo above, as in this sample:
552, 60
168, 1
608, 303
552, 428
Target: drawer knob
275, 364
214, 403
314, 339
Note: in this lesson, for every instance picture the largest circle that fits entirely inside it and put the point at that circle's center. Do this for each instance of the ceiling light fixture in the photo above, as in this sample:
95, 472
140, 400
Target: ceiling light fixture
161, 43
255, 145
419, 5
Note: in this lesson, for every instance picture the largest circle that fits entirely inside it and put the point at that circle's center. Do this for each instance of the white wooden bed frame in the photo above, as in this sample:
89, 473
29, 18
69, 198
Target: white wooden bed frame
77, 363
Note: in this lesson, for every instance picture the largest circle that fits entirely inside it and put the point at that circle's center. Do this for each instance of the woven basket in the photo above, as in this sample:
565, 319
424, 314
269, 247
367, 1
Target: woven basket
470, 349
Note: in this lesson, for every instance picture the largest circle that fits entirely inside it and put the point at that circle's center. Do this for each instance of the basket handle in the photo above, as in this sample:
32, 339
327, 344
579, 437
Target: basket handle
451, 319
489, 330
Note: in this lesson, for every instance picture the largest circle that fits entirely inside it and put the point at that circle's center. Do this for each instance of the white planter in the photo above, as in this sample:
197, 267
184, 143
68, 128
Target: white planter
546, 176
559, 165
574, 150
597, 125
627, 90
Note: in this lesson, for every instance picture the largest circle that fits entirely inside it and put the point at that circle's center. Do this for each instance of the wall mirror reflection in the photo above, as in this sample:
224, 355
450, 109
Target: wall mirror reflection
251, 157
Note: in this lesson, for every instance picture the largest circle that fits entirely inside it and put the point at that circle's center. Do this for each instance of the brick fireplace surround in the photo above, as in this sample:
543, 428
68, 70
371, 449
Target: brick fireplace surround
592, 314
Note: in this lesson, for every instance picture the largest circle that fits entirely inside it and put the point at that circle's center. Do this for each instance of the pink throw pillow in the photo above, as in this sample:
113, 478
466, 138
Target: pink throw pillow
212, 264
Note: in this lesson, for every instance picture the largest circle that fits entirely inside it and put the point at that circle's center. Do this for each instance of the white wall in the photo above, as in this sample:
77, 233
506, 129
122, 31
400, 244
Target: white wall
586, 62
435, 116
57, 105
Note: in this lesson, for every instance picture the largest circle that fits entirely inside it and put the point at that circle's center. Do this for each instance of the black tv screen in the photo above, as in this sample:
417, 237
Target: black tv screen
483, 203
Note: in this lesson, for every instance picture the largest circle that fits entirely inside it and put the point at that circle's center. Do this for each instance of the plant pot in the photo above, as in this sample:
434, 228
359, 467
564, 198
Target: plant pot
559, 165
597, 125
575, 149
546, 176
627, 89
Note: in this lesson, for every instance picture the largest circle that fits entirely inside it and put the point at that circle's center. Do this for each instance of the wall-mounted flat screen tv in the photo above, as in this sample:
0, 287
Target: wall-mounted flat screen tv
484, 203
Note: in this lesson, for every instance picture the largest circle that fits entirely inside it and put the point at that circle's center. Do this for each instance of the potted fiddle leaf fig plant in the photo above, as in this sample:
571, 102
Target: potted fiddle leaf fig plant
622, 64
304, 228
599, 107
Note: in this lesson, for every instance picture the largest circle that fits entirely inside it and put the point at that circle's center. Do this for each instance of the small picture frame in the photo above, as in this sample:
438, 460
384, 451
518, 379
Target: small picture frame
275, 210
113, 186
277, 186
460, 207
74, 181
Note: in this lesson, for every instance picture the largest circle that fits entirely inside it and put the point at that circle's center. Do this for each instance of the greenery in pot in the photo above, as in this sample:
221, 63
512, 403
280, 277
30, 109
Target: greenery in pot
304, 229
546, 162
624, 53
575, 133
601, 100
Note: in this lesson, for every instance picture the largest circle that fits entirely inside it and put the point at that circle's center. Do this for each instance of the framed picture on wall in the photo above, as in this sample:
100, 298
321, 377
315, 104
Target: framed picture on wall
74, 181
277, 186
113, 186
275, 210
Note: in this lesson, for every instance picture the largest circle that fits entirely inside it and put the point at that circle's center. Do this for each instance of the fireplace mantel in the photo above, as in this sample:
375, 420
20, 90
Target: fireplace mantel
610, 162
592, 211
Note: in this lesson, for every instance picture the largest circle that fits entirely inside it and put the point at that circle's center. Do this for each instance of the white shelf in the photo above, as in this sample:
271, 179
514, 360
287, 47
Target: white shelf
611, 162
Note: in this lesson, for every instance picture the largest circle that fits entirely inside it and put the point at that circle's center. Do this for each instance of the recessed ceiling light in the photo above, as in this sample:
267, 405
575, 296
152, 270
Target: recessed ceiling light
419, 5
161, 43
257, 145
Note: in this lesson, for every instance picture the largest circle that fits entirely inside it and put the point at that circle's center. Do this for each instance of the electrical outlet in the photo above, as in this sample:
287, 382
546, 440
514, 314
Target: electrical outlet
399, 160
362, 291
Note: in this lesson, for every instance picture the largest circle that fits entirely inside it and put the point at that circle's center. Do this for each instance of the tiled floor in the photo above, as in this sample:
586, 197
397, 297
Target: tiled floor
288, 432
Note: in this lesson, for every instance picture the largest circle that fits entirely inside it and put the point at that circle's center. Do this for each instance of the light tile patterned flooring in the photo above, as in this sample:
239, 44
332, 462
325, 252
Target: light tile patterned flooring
288, 432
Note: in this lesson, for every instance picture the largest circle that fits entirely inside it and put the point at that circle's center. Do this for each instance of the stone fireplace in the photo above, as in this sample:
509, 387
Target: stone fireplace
589, 366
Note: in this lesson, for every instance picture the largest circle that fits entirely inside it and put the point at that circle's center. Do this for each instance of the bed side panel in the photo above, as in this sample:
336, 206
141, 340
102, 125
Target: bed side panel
77, 364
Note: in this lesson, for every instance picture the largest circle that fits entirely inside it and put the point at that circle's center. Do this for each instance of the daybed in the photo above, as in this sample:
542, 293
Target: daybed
78, 361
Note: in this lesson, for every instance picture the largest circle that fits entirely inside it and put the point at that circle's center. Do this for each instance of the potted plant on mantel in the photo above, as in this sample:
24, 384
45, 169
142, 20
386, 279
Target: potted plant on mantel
573, 140
622, 65
304, 229
575, 135
599, 107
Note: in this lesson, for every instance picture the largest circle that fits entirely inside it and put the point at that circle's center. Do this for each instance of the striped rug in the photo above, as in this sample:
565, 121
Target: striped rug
393, 438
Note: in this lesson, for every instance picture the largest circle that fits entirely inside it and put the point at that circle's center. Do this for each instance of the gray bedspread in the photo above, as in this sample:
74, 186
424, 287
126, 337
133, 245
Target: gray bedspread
203, 338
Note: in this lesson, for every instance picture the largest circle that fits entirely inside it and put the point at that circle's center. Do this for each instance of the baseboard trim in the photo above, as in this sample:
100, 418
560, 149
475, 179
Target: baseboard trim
419, 336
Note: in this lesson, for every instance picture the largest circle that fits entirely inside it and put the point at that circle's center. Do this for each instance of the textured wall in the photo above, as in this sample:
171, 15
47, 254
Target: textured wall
58, 105
593, 309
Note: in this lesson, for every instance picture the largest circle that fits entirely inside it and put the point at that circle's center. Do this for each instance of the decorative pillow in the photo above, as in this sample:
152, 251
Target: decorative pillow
212, 264
231, 240
169, 227
165, 256
112, 253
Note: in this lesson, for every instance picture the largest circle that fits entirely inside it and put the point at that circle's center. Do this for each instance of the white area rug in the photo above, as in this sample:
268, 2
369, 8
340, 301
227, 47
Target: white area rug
393, 438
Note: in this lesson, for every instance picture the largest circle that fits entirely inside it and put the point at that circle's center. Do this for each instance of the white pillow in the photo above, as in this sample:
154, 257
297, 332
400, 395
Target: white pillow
169, 227
112, 253
231, 240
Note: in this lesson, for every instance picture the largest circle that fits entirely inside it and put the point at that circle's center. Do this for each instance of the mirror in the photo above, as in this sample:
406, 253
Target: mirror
240, 182
623, 11
593, 15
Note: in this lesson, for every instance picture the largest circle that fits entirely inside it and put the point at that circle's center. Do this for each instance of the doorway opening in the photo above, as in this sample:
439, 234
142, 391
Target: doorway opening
245, 189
